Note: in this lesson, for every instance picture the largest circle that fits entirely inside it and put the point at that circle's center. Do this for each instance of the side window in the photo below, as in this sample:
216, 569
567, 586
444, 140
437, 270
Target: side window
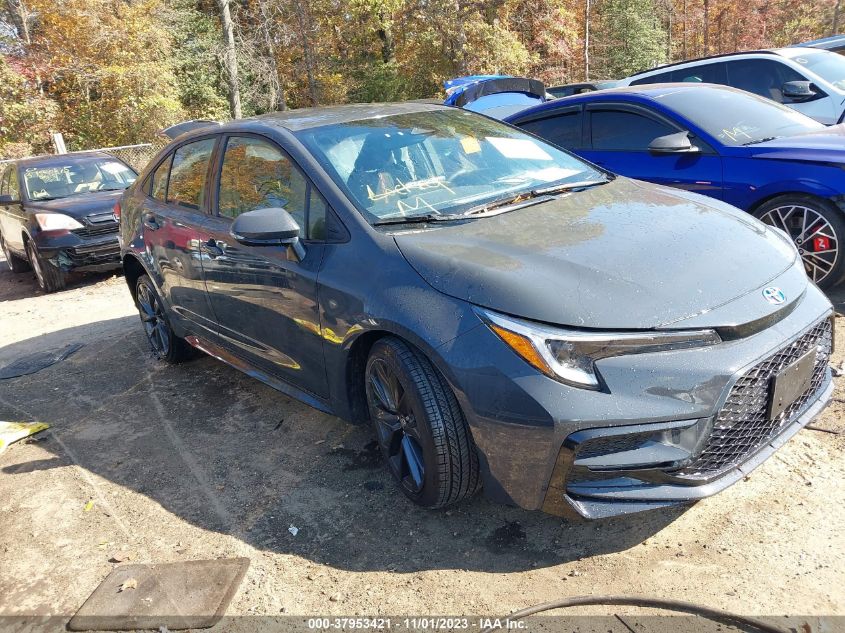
563, 129
625, 131
763, 77
705, 73
14, 189
186, 187
158, 186
4, 181
257, 175
659, 78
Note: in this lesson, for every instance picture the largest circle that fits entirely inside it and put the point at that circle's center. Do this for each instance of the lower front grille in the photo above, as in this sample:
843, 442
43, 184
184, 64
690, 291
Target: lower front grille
742, 425
93, 230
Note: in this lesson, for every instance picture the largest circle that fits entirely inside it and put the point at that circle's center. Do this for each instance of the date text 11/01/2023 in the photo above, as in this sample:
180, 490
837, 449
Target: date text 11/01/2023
414, 624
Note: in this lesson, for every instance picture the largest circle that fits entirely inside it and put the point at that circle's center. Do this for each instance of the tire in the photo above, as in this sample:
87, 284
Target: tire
16, 264
821, 244
420, 427
164, 343
50, 278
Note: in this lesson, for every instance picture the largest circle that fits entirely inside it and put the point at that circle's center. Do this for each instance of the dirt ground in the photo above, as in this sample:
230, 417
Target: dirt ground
199, 461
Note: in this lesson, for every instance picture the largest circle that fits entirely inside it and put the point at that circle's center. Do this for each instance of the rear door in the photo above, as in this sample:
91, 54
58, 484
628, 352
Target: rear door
176, 205
264, 298
617, 137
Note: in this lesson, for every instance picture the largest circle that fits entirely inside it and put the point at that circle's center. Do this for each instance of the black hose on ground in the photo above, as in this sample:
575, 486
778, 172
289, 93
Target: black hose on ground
717, 615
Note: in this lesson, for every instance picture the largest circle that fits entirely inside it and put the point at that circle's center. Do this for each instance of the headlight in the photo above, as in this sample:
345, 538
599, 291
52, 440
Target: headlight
569, 355
56, 222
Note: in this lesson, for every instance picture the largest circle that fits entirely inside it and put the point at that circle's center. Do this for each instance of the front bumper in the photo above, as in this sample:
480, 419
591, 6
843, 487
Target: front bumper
528, 428
82, 254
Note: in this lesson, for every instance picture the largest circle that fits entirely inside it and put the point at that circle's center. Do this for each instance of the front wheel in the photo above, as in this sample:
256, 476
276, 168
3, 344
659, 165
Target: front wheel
420, 427
49, 276
817, 228
164, 343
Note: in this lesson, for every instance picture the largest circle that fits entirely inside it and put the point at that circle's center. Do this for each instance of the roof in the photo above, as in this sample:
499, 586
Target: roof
307, 118
645, 91
709, 57
47, 159
826, 42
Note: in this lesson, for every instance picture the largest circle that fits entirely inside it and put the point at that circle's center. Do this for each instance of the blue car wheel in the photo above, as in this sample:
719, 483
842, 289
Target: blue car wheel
817, 228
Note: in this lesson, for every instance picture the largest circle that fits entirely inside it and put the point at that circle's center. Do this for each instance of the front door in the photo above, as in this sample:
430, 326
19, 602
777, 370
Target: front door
618, 140
263, 297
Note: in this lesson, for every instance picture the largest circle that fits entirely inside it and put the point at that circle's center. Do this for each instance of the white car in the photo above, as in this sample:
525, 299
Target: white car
810, 81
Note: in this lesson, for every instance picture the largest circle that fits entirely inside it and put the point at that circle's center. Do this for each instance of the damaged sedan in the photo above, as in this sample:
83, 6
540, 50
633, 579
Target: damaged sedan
506, 315
56, 214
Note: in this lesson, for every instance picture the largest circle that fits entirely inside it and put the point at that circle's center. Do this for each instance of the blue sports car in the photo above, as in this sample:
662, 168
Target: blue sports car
783, 167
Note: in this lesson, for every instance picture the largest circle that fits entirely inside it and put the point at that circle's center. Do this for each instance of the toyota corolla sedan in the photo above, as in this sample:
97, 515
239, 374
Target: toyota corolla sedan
56, 214
507, 316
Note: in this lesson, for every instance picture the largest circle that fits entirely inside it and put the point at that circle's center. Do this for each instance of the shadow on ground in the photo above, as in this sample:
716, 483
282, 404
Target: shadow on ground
225, 453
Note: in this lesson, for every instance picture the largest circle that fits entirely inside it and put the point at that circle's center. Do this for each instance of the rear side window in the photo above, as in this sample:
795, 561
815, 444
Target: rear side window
256, 174
625, 131
763, 77
702, 73
158, 188
4, 182
14, 189
186, 187
563, 129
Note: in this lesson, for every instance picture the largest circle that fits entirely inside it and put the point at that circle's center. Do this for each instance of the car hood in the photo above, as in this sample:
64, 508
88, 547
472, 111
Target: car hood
827, 145
625, 255
78, 206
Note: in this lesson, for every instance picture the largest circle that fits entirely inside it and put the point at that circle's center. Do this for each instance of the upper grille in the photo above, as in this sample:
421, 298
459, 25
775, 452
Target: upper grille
742, 425
97, 224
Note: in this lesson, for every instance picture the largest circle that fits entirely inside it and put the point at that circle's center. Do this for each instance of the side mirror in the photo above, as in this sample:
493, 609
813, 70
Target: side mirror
7, 199
677, 143
268, 227
798, 90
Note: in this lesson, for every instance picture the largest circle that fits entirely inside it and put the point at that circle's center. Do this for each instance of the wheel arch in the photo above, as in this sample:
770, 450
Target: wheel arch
133, 269
768, 196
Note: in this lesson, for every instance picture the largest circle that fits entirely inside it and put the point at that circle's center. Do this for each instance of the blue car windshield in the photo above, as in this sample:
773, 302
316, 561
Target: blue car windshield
826, 64
737, 118
439, 162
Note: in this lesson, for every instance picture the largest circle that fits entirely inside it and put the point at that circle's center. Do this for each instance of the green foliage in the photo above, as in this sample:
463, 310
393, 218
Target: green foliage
632, 37
26, 117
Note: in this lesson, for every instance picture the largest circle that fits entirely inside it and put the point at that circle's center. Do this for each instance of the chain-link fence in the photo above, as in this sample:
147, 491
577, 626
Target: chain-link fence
136, 156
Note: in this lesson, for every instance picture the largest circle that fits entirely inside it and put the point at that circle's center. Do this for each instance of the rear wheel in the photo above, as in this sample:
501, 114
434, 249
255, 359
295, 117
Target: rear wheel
50, 277
164, 343
16, 264
420, 428
817, 228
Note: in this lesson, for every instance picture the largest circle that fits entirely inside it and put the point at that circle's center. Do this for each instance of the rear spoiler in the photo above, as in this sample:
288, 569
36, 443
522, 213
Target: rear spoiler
187, 126
533, 87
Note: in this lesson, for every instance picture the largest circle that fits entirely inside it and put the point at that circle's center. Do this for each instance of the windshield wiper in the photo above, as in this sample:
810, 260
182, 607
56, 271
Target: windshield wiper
760, 140
415, 219
570, 186
534, 196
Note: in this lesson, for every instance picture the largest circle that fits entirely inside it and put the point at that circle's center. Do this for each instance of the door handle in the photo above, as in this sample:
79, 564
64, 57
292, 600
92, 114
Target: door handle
212, 248
150, 222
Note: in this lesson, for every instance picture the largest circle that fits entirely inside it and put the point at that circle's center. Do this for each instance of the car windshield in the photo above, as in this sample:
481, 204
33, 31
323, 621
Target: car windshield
735, 117
76, 176
441, 162
826, 64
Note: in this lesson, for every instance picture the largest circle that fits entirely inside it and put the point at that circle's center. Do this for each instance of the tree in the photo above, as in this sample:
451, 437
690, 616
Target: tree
230, 58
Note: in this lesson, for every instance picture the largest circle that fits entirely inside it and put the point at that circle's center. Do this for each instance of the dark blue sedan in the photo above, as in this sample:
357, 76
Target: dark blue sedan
785, 168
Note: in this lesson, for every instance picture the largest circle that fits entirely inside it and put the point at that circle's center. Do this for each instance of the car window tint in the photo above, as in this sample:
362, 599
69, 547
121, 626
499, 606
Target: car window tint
257, 175
317, 216
763, 77
13, 188
627, 131
653, 79
564, 129
158, 188
186, 186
